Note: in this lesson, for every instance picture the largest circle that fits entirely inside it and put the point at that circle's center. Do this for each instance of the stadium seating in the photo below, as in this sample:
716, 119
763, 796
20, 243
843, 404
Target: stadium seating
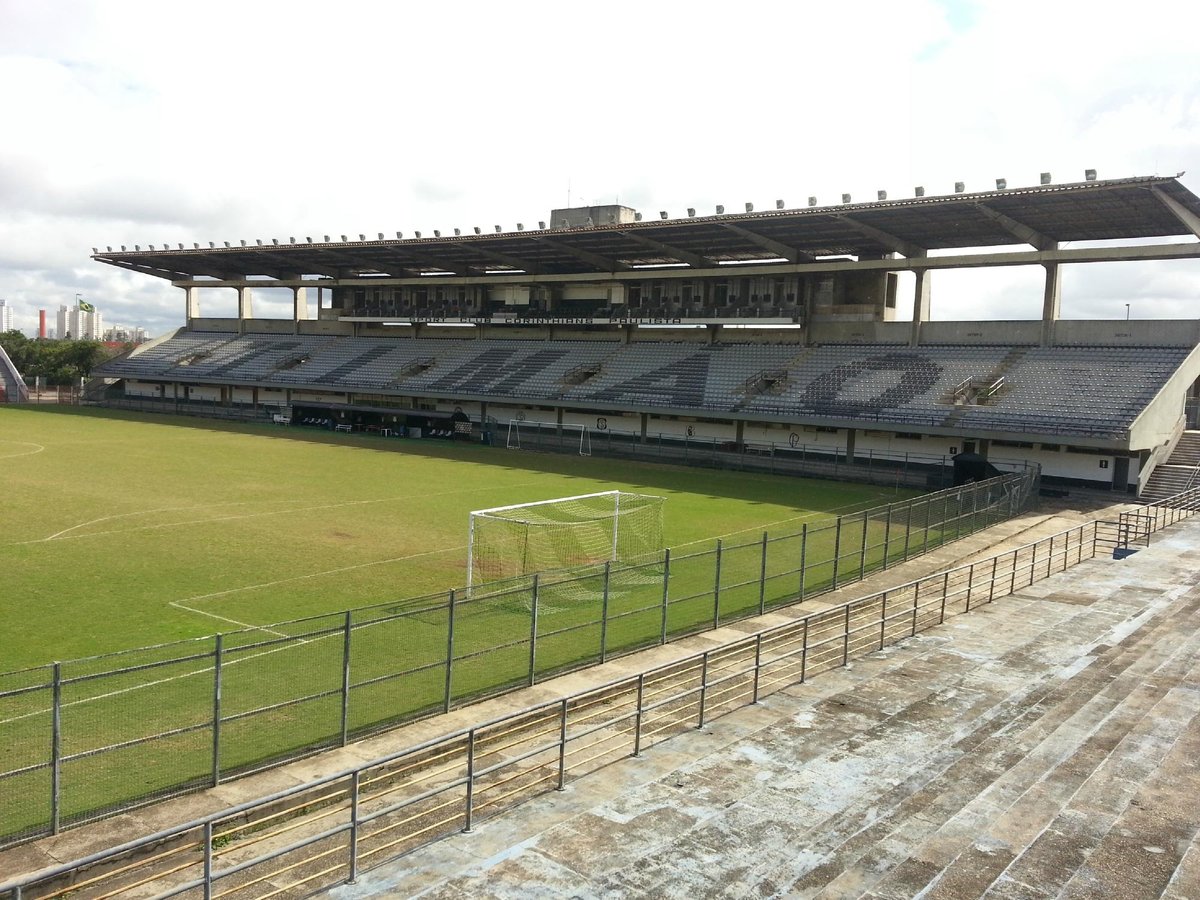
1059, 389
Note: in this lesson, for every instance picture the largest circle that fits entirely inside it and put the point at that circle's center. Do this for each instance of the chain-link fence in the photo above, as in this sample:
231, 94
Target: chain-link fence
85, 738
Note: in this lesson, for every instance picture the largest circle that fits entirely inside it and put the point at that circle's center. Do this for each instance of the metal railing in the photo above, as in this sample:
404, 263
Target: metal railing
88, 738
323, 833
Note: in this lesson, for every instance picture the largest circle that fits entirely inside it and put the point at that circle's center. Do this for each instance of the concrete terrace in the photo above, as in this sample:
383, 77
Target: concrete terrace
1043, 746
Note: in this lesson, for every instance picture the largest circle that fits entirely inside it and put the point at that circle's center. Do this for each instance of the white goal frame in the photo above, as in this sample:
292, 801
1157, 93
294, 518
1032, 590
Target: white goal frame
513, 441
642, 503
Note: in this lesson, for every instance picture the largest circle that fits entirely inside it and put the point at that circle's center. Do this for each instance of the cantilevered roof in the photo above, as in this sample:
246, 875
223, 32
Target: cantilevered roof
1118, 209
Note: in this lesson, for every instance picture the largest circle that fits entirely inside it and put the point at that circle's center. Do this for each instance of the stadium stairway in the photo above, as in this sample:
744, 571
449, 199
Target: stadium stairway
1178, 473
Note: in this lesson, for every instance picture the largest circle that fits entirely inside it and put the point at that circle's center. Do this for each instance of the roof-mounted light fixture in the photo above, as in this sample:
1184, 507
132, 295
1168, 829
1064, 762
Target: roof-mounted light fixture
1045, 178
478, 230
959, 187
637, 217
457, 232
881, 195
720, 210
436, 233
520, 226
417, 233
845, 198
812, 201
691, 212
1089, 174
662, 213
1001, 184
919, 191
498, 229
779, 204
749, 207
541, 225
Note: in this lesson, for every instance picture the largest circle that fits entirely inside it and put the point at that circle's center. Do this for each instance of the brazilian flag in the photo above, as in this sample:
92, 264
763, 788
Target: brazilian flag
84, 306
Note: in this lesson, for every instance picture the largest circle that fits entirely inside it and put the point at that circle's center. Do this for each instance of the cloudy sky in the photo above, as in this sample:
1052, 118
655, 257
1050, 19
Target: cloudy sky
136, 122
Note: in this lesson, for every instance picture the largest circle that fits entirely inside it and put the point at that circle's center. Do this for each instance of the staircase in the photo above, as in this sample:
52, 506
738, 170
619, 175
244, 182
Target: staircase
1179, 472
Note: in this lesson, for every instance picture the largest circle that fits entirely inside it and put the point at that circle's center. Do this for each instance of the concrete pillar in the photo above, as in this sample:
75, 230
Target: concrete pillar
191, 304
245, 303
850, 436
1051, 302
299, 304
645, 424
739, 436
558, 422
921, 304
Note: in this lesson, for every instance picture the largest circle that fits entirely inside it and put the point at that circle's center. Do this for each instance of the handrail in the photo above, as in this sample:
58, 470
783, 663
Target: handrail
928, 596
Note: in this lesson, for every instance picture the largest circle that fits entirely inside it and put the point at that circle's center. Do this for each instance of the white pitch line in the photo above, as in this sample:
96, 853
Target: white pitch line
38, 449
200, 612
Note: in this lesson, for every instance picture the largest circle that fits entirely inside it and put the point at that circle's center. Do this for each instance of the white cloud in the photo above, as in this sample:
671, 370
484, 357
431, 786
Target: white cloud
140, 122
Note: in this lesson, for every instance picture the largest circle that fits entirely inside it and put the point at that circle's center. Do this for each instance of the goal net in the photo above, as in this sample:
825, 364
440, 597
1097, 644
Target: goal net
510, 541
539, 435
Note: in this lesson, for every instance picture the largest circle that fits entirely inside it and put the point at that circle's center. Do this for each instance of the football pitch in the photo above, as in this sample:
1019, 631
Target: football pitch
122, 530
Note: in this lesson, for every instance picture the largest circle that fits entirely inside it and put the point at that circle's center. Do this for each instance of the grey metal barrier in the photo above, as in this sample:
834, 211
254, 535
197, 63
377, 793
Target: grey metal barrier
325, 832
91, 737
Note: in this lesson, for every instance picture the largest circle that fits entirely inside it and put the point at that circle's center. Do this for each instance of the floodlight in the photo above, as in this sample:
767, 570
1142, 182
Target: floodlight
307, 240
181, 246
258, 241
812, 201
691, 211
243, 243
362, 237
662, 213
720, 210
417, 233
457, 232
275, 241
637, 217
845, 198
779, 204
436, 233
95, 249
327, 239
109, 249
919, 191
1089, 174
959, 187
520, 226
291, 240
498, 229
881, 195
478, 230
541, 225
749, 207
345, 239
123, 247
1045, 178
194, 245
380, 233
211, 245
1001, 183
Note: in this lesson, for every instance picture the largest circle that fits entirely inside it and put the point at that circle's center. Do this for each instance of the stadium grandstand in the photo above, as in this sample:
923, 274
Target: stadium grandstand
756, 332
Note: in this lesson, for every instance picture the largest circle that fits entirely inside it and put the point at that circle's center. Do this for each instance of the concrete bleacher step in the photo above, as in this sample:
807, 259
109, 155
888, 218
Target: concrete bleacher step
977, 836
951, 793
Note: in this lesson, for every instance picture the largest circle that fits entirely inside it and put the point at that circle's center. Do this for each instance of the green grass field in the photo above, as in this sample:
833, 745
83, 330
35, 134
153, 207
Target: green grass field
123, 530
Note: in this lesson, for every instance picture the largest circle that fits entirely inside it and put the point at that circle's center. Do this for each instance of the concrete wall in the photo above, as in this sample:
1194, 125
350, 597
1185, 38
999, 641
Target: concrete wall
311, 326
220, 325
1136, 333
270, 326
861, 332
142, 389
1016, 333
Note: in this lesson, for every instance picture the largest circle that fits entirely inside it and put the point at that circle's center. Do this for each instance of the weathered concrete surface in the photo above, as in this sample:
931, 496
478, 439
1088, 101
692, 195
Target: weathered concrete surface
1043, 746
79, 842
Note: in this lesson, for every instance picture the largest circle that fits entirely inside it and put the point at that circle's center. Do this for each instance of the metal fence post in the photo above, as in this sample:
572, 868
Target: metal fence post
469, 810
970, 583
862, 562
533, 617
449, 654
945, 596
803, 556
837, 549
208, 860
604, 612
992, 582
762, 578
662, 638
218, 660
916, 598
637, 716
353, 848
887, 536
562, 746
908, 529
346, 679
703, 686
882, 619
846, 638
757, 665
717, 589
56, 749
804, 652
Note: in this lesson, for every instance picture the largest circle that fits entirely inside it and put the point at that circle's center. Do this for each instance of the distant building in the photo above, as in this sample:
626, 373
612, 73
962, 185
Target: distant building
79, 324
125, 334
6, 316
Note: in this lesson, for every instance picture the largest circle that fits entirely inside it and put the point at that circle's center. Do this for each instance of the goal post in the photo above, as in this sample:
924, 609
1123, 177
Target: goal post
608, 526
560, 436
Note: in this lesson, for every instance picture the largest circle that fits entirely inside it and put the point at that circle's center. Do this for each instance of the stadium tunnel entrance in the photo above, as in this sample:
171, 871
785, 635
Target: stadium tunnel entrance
385, 421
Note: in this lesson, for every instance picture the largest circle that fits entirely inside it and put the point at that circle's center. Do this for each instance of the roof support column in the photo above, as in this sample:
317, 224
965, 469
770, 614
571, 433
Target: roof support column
921, 303
300, 303
245, 306
1051, 301
191, 304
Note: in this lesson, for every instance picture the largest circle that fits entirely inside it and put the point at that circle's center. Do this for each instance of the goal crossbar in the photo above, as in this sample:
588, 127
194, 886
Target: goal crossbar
500, 509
